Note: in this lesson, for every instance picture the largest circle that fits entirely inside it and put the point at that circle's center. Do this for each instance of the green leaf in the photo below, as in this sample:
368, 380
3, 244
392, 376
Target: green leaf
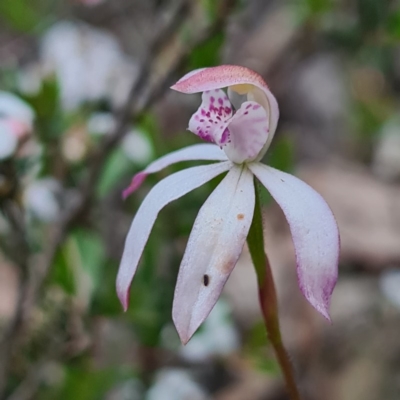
116, 168
280, 156
92, 253
46, 101
85, 383
80, 263
393, 24
372, 13
255, 239
256, 348
208, 54
105, 301
211, 8
319, 6
19, 14
62, 275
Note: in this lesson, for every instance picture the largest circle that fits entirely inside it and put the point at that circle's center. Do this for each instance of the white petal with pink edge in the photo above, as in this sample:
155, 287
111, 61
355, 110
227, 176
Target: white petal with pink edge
248, 133
210, 120
218, 77
206, 152
314, 232
167, 190
214, 246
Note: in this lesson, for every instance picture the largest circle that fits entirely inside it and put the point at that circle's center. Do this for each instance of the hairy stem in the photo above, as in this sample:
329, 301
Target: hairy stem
267, 296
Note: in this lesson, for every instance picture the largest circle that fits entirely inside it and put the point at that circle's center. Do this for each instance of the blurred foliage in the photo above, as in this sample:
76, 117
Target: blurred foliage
257, 350
27, 16
11, 12
86, 265
207, 54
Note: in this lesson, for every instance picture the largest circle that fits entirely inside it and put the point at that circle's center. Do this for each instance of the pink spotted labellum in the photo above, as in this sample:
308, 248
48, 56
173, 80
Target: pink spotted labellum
238, 140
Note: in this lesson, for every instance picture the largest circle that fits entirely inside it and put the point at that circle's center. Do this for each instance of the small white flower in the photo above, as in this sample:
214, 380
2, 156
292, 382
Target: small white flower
40, 199
218, 336
100, 124
389, 283
89, 64
8, 141
137, 147
16, 122
175, 384
13, 108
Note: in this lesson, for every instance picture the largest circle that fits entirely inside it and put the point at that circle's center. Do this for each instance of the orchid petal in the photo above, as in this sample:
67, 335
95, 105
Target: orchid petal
231, 75
210, 120
248, 132
167, 190
314, 232
189, 74
218, 77
206, 152
214, 246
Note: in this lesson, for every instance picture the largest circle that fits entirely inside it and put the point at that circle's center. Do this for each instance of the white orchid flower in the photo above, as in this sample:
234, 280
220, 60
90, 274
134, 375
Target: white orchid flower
239, 140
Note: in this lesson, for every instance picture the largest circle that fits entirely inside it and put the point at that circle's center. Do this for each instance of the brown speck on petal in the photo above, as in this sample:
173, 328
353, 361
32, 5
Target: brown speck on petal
240, 216
227, 266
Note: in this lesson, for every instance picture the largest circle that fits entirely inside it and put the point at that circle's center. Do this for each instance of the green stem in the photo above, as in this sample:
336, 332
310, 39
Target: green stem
267, 296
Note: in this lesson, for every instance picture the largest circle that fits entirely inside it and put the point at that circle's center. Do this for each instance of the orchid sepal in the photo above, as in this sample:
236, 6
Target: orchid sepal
314, 232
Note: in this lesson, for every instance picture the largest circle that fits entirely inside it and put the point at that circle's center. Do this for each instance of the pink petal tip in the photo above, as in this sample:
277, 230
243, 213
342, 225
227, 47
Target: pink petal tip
123, 296
136, 182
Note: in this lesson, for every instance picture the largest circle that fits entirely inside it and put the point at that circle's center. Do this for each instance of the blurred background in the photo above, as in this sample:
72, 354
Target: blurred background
85, 104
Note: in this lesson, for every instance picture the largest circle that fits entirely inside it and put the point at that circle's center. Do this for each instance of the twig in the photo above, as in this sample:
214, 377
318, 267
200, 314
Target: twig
15, 217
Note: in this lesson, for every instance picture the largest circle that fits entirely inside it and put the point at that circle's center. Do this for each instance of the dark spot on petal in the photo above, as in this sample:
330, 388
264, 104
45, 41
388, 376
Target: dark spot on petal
282, 180
212, 99
206, 280
220, 101
240, 216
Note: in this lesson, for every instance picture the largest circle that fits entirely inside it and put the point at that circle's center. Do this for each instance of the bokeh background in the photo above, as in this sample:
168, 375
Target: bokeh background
84, 87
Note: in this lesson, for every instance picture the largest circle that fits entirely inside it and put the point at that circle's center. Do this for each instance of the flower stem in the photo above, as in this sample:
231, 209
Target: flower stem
267, 296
